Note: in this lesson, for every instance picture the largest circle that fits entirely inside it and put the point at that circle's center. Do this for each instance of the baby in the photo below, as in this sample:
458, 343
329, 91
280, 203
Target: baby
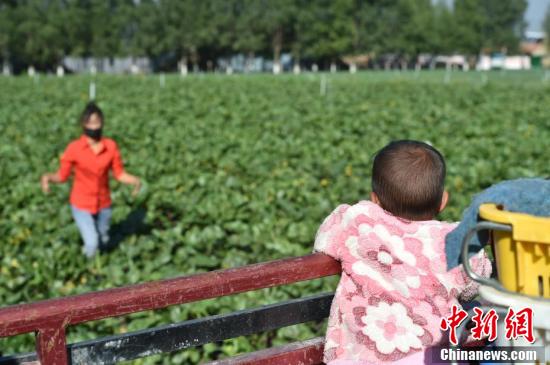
394, 289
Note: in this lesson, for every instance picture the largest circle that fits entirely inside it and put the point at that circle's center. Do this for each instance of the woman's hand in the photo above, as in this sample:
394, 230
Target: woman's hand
45, 183
126, 178
137, 186
46, 179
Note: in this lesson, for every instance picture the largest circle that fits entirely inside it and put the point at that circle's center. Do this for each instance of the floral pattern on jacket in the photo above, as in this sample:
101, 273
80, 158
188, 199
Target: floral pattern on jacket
394, 288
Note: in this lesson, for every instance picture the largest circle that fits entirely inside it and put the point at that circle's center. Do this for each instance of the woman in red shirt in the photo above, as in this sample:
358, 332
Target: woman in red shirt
91, 157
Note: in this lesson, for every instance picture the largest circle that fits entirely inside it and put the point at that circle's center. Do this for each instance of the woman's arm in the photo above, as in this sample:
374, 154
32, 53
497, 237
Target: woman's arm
123, 176
126, 178
47, 178
62, 174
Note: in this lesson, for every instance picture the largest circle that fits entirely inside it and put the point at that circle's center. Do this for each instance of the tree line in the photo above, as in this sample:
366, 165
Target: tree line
197, 32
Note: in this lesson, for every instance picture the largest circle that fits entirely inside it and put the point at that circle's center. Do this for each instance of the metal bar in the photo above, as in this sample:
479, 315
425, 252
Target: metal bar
481, 226
51, 345
76, 309
196, 332
201, 331
308, 352
28, 358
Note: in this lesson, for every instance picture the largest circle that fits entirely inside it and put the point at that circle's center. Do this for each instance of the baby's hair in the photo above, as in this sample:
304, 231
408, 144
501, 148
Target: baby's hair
408, 178
90, 109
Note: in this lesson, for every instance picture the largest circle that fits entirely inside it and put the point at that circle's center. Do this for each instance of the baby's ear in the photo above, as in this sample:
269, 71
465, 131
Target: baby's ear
374, 198
444, 200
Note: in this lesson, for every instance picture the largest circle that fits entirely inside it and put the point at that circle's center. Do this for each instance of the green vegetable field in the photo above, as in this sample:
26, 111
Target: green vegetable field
237, 170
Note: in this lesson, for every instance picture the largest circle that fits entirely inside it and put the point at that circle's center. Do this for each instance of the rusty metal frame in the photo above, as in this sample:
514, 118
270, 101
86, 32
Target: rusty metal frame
179, 336
50, 318
309, 352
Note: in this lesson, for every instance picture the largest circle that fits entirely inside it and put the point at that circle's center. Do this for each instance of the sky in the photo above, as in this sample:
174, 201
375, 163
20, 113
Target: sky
534, 15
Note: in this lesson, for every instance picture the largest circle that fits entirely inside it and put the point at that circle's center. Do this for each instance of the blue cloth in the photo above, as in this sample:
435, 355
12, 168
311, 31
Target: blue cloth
94, 228
531, 196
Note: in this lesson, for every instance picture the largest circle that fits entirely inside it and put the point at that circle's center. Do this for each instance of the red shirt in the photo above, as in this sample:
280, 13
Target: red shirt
90, 190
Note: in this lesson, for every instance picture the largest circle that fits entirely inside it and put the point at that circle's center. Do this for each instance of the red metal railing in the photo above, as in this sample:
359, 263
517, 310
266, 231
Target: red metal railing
304, 352
49, 318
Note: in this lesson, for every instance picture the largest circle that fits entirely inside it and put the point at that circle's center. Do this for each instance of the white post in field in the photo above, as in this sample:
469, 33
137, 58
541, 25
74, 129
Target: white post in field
162, 80
352, 68
276, 68
323, 85
60, 71
484, 78
447, 78
134, 69
333, 68
183, 69
91, 93
314, 67
296, 69
6, 71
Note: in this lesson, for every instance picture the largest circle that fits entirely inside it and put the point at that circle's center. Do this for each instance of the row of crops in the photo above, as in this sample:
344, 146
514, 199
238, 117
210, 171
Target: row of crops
237, 170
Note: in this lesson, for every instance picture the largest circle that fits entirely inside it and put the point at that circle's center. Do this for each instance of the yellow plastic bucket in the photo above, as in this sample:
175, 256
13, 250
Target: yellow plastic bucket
523, 254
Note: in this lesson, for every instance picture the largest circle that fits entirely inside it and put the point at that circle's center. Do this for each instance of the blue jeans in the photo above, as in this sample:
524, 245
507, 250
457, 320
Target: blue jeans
94, 228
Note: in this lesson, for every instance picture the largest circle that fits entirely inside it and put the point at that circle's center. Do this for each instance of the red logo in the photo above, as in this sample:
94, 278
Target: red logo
485, 325
519, 324
452, 322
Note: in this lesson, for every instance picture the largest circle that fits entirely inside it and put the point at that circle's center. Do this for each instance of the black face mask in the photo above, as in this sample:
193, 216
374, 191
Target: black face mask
94, 134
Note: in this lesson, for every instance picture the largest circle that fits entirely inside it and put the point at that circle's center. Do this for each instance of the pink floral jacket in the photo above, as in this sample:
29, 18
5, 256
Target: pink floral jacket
394, 289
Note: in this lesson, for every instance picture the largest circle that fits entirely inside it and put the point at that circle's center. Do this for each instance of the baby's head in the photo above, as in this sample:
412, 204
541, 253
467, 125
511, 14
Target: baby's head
408, 180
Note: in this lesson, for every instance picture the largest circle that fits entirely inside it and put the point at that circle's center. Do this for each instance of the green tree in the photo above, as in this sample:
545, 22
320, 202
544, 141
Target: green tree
413, 24
504, 25
222, 32
77, 27
38, 33
249, 37
6, 29
488, 25
141, 28
297, 29
186, 26
330, 33
41, 32
276, 18
444, 39
104, 24
469, 22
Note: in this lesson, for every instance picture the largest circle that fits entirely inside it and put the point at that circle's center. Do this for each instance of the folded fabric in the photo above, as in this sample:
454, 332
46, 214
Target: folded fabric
531, 196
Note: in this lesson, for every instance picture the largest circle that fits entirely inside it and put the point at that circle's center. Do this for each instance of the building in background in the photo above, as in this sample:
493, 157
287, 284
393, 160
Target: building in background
534, 44
113, 65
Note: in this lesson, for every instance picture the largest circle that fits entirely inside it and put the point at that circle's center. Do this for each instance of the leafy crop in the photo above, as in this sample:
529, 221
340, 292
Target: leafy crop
238, 170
